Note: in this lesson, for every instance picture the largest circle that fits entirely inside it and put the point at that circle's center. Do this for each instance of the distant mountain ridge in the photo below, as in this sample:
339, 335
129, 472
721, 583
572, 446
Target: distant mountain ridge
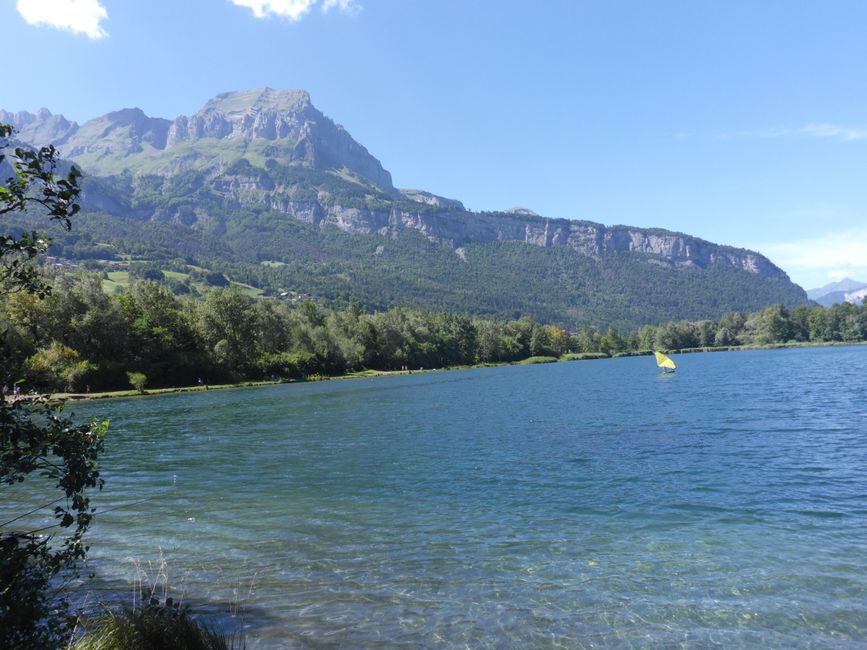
845, 290
249, 160
846, 284
40, 128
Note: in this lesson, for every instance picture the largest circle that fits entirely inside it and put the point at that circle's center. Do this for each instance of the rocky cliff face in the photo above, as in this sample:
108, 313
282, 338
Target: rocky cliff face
40, 128
125, 133
282, 123
447, 223
274, 115
456, 228
266, 126
264, 114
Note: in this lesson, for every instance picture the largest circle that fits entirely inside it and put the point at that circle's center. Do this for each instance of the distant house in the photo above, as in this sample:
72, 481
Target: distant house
61, 262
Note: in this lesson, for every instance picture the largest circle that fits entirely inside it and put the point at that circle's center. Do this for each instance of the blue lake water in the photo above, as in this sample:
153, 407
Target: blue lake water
584, 504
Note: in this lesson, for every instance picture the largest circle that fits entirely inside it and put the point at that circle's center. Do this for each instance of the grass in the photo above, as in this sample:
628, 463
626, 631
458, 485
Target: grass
633, 353
583, 356
120, 280
116, 280
155, 621
160, 391
154, 626
770, 346
534, 360
246, 289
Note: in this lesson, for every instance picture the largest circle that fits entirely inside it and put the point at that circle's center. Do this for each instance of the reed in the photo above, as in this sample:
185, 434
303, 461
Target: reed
155, 620
156, 625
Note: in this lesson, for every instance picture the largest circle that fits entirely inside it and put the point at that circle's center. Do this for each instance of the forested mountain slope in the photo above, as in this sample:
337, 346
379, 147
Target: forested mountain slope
263, 186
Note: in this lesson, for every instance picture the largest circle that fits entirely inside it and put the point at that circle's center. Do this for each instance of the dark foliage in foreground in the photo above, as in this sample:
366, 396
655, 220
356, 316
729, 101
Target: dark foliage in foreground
41, 541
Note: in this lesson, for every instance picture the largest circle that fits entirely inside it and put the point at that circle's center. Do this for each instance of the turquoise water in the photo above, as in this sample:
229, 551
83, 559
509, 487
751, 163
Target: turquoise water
585, 504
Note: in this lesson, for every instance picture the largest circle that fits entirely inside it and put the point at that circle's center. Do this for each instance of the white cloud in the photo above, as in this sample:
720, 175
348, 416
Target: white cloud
295, 10
810, 262
813, 130
76, 16
348, 7
834, 131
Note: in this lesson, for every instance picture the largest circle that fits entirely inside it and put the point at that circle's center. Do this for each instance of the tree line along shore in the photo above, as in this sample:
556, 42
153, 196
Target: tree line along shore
80, 339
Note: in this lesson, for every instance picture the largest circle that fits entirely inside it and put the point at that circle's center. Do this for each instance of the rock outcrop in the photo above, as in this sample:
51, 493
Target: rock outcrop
282, 128
273, 115
456, 228
40, 128
125, 132
129, 139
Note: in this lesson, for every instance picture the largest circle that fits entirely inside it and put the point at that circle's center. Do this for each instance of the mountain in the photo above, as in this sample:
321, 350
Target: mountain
858, 296
844, 285
258, 125
40, 128
846, 290
265, 187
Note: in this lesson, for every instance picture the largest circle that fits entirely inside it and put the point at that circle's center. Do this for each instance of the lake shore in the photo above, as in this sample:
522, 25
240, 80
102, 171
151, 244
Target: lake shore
150, 392
363, 374
360, 374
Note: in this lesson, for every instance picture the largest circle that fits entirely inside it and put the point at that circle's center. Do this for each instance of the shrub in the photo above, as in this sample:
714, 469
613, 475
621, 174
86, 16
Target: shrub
216, 280
584, 356
58, 367
137, 380
538, 359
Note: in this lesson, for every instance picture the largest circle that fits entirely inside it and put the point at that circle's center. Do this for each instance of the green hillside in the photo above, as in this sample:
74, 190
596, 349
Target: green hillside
275, 253
261, 187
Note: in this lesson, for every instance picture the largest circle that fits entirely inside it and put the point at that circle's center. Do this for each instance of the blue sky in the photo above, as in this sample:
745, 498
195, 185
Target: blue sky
741, 122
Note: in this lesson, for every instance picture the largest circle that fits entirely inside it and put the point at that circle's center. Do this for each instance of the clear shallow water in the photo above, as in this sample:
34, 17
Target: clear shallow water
585, 504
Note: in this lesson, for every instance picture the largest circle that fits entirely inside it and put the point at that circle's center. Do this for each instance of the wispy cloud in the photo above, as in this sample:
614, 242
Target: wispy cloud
76, 16
812, 261
834, 131
348, 7
295, 10
813, 130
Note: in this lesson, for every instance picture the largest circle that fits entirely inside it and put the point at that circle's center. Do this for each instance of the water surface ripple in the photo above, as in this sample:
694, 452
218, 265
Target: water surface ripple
586, 504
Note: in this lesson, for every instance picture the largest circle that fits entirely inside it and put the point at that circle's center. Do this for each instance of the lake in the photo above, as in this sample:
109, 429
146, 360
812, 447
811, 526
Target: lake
583, 504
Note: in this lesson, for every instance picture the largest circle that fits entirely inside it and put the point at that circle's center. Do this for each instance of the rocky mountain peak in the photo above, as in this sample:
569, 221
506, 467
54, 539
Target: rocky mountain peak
261, 125
263, 113
238, 103
302, 135
524, 212
841, 286
119, 133
132, 118
41, 128
420, 196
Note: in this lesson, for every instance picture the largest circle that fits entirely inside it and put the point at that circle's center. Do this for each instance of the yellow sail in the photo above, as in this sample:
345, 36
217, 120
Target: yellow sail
664, 362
